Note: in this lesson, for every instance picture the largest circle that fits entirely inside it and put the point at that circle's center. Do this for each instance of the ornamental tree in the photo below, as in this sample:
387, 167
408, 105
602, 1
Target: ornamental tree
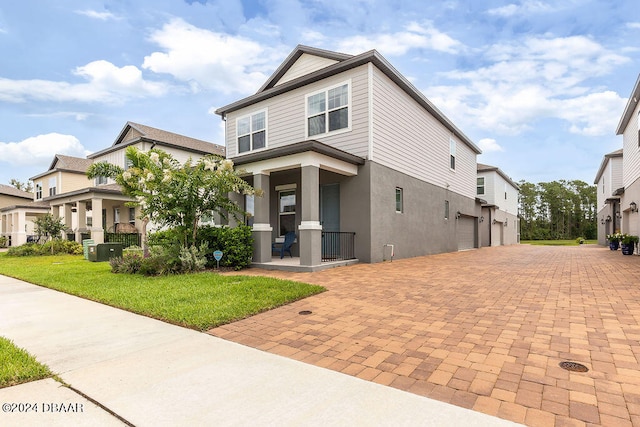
177, 195
49, 226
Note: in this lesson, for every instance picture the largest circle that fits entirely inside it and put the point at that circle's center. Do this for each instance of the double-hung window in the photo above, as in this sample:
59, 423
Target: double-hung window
38, 190
328, 111
399, 201
252, 132
52, 186
100, 180
286, 208
480, 186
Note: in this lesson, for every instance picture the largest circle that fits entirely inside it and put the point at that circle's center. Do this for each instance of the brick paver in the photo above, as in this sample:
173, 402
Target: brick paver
483, 329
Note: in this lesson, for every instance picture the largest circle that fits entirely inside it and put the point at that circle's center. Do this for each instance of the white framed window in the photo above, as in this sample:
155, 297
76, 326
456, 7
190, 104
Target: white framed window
52, 186
399, 200
329, 110
480, 186
452, 154
38, 190
128, 163
505, 191
116, 215
101, 180
132, 215
286, 208
446, 209
251, 131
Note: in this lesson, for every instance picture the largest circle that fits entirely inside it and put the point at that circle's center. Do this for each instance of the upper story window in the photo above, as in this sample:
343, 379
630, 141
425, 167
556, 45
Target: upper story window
128, 163
52, 186
251, 132
100, 180
480, 186
452, 154
328, 111
38, 190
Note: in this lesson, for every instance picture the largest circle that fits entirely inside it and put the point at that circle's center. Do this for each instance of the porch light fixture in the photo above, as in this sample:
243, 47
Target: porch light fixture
505, 221
633, 207
458, 215
481, 219
608, 218
602, 221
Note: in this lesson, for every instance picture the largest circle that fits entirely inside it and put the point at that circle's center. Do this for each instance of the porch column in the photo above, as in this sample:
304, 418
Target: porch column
21, 227
68, 223
97, 232
310, 228
81, 211
261, 225
239, 200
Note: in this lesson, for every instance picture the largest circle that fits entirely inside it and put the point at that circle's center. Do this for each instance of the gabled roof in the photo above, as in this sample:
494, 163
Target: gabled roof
630, 108
345, 63
64, 163
161, 137
8, 190
605, 160
487, 168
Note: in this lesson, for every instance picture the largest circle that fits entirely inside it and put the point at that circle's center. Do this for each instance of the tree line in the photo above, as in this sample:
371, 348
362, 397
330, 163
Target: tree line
557, 210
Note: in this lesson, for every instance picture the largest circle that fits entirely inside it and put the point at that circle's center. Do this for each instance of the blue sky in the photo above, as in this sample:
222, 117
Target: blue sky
539, 85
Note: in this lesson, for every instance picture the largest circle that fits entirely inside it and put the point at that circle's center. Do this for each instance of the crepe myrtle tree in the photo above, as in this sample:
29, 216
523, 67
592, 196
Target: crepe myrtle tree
49, 226
177, 195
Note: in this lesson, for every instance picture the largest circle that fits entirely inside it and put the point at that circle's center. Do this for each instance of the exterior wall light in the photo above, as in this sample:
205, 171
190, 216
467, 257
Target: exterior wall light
608, 218
633, 207
481, 219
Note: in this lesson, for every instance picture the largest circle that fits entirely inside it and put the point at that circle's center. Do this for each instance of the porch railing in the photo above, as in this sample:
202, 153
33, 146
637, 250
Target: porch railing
338, 246
127, 239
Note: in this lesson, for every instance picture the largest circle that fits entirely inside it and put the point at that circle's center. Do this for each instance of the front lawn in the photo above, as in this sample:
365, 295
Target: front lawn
17, 366
200, 301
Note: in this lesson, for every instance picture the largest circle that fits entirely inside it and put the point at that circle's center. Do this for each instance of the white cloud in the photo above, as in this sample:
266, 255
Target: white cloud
106, 83
488, 145
633, 25
78, 116
102, 16
532, 79
210, 60
525, 8
39, 150
415, 36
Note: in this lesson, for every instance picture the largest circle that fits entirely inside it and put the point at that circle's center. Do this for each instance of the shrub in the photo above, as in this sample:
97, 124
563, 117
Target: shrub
3, 241
28, 249
235, 243
55, 246
579, 240
129, 263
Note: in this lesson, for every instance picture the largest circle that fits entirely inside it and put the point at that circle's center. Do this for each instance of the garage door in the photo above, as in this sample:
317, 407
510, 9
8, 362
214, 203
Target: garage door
466, 233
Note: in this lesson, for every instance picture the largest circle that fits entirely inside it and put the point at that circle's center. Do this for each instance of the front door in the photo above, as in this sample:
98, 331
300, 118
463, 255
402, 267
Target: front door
330, 220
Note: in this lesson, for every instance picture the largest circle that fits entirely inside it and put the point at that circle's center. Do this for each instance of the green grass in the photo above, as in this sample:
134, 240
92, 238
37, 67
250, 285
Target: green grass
557, 242
200, 301
17, 366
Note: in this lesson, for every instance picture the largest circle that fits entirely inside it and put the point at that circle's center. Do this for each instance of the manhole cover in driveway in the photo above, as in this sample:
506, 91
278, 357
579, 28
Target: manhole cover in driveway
574, 367
305, 312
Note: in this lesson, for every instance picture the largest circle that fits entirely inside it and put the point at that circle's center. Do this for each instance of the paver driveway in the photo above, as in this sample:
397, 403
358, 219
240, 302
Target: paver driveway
483, 329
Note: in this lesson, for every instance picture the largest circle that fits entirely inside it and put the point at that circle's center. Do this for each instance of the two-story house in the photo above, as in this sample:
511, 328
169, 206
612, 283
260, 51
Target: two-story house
354, 160
629, 192
97, 208
609, 188
499, 223
17, 212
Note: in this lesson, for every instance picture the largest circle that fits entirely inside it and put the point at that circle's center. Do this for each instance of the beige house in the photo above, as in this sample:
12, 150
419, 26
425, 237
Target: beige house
97, 208
498, 222
17, 212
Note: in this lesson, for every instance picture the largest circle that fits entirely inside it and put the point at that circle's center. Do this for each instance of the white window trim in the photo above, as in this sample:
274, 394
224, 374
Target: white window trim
326, 91
280, 189
401, 200
53, 187
484, 186
38, 185
266, 132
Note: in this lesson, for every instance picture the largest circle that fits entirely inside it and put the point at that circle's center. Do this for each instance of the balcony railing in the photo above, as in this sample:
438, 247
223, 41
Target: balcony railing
338, 246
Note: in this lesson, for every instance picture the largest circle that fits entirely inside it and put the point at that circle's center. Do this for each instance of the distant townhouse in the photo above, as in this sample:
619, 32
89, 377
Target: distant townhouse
17, 212
97, 208
499, 223
609, 189
354, 160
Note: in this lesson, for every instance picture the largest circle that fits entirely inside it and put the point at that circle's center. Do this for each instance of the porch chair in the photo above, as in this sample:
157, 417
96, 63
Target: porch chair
289, 238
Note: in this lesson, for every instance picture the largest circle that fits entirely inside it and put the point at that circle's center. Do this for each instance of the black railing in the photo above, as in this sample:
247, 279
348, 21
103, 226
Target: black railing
127, 239
338, 246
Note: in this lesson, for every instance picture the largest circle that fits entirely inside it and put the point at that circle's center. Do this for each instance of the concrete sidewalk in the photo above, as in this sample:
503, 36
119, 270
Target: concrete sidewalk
145, 372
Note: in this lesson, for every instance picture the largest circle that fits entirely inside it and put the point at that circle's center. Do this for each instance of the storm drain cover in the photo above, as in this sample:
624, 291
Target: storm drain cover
573, 367
304, 312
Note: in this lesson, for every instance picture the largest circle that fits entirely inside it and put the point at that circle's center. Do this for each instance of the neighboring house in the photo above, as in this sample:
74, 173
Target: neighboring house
17, 212
346, 146
609, 188
499, 224
97, 208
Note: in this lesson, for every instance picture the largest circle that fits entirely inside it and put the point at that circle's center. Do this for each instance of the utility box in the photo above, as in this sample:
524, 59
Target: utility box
85, 247
104, 251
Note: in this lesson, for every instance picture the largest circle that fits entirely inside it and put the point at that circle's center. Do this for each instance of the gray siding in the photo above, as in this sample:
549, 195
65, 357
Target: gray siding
306, 64
286, 116
409, 139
